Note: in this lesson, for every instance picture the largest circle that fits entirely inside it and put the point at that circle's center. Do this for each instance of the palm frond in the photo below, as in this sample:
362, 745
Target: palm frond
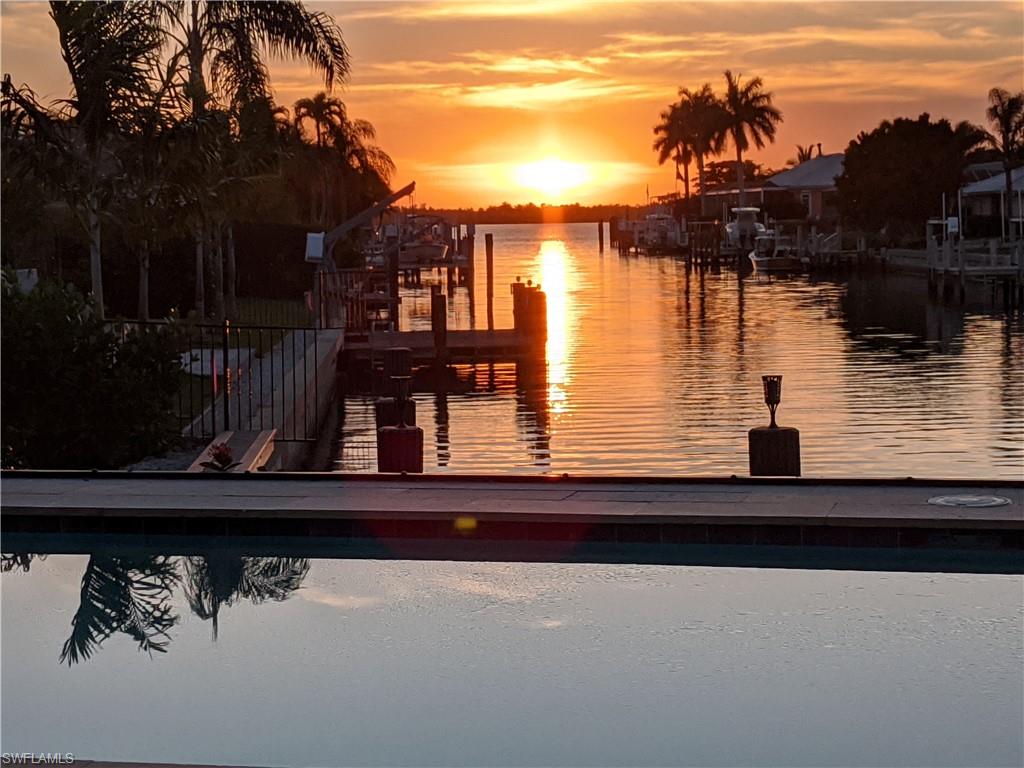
129, 595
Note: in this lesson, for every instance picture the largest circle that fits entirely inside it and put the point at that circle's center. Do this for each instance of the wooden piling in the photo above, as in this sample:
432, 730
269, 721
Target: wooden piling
489, 244
774, 451
600, 236
400, 449
439, 325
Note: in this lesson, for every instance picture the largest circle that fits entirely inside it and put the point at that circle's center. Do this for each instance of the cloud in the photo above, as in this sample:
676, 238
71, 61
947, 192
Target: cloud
545, 95
343, 602
501, 9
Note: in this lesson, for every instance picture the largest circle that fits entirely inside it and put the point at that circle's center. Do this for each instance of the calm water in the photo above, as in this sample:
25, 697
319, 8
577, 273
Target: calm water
335, 662
652, 368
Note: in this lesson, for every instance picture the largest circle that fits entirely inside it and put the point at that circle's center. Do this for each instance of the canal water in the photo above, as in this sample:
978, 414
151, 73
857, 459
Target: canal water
652, 368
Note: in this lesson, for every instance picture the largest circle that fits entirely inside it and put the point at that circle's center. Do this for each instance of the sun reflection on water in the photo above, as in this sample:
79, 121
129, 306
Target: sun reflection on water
556, 279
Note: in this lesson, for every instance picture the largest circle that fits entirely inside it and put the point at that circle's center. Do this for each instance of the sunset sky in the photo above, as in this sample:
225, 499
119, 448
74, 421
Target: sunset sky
554, 100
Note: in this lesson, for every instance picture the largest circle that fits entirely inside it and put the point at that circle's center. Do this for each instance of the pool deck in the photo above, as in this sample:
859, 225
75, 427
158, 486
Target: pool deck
657, 510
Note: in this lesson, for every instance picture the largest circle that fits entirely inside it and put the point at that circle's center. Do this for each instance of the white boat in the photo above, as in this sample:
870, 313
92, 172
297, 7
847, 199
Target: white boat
423, 252
776, 255
741, 233
661, 233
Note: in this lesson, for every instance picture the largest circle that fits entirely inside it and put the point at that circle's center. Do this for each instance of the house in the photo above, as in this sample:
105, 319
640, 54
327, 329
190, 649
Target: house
812, 182
805, 190
984, 205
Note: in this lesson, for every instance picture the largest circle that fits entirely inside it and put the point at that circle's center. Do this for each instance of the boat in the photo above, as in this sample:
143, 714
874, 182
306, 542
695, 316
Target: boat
423, 252
661, 233
775, 255
422, 243
741, 233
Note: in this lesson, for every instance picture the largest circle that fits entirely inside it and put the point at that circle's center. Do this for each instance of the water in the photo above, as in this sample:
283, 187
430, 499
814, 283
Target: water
335, 662
652, 369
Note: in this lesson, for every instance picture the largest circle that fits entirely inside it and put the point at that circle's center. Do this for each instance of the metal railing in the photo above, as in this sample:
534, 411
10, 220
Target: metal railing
245, 378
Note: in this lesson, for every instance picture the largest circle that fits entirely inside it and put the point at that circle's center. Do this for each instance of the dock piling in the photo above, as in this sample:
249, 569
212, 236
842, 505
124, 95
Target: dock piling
489, 244
600, 236
439, 325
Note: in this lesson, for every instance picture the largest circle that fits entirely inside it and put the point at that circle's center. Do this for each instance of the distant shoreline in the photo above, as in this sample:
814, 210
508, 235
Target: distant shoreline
528, 214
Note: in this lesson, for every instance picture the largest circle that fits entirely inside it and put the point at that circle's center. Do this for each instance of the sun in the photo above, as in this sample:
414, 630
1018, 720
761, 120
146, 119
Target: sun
551, 176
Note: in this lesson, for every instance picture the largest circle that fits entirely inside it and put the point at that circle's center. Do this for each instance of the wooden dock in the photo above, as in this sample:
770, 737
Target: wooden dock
502, 345
685, 520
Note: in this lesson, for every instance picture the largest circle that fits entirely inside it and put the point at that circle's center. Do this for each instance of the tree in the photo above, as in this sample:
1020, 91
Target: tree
222, 579
803, 154
894, 177
344, 154
1005, 113
749, 117
110, 49
672, 141
705, 121
74, 394
325, 112
224, 44
123, 594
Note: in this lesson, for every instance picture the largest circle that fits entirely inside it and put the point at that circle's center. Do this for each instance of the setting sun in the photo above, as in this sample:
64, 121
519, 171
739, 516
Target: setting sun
551, 176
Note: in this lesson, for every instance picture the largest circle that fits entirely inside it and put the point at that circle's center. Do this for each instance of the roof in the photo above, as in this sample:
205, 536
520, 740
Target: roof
979, 171
993, 185
817, 173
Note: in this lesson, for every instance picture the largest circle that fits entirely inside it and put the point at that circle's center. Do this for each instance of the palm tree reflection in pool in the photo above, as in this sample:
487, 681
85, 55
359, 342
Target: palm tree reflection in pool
123, 594
133, 595
217, 579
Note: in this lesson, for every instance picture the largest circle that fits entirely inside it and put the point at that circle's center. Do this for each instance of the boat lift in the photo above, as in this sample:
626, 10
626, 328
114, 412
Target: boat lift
320, 245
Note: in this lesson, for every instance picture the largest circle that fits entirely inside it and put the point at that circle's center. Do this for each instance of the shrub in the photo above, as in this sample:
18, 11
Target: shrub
73, 393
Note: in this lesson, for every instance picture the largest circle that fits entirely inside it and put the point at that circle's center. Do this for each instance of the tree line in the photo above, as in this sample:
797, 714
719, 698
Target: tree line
893, 177
171, 134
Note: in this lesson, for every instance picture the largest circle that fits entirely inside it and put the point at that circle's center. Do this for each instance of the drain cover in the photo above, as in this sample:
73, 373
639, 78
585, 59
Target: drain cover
969, 501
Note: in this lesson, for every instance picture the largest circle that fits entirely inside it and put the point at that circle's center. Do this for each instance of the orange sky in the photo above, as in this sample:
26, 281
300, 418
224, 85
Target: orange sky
553, 100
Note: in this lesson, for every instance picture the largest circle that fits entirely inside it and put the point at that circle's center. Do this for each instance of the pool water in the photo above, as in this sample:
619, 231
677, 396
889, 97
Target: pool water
361, 662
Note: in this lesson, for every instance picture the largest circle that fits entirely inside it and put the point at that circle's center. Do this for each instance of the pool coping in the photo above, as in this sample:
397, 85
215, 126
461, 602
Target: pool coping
502, 517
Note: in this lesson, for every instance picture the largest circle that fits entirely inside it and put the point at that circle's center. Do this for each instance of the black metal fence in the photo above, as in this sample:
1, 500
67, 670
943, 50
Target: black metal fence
245, 377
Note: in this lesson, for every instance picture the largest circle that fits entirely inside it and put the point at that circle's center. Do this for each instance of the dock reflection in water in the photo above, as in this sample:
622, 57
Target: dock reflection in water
653, 368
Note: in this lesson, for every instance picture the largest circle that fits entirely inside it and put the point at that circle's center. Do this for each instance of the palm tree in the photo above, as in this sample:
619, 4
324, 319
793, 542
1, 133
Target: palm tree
344, 152
224, 43
750, 117
219, 579
1006, 114
705, 121
110, 50
325, 112
365, 168
123, 594
672, 140
803, 154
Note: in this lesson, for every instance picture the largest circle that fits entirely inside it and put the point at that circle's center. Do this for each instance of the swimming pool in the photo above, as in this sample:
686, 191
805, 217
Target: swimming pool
368, 662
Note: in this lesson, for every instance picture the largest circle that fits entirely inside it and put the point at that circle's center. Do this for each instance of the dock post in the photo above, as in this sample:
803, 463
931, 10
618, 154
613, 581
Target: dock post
489, 244
773, 450
439, 325
470, 255
397, 362
400, 449
600, 236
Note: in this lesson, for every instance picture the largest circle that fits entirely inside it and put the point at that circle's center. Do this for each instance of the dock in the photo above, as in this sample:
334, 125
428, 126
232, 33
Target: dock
500, 345
835, 523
